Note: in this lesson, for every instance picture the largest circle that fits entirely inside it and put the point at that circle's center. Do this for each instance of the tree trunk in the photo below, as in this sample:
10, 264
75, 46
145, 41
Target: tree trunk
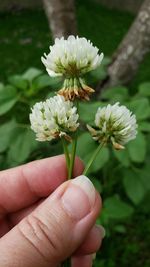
129, 5
130, 53
61, 17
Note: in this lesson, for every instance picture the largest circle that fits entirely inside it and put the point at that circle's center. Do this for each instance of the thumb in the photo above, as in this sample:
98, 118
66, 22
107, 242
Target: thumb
55, 229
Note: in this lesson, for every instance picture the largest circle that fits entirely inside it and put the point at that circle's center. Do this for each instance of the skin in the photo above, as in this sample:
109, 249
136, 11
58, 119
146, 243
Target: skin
29, 190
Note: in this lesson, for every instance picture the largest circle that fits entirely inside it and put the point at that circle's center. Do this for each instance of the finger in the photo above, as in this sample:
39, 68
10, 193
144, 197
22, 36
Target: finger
16, 217
4, 227
6, 224
24, 185
84, 261
55, 230
92, 242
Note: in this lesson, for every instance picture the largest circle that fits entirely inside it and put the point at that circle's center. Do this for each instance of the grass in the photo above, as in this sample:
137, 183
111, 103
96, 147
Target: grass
22, 41
24, 37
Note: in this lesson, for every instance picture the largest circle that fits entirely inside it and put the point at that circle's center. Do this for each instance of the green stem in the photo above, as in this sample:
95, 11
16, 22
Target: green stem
70, 165
67, 263
66, 154
73, 153
93, 157
24, 100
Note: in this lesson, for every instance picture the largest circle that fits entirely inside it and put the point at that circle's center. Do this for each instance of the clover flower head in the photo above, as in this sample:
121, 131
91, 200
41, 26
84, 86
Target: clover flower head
115, 124
72, 58
54, 118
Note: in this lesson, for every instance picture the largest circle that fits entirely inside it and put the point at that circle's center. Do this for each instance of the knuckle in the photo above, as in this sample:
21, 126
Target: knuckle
43, 237
32, 231
55, 234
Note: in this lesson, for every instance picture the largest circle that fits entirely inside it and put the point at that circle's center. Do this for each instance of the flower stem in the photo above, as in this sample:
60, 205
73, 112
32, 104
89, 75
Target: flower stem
66, 152
70, 165
93, 157
67, 263
73, 153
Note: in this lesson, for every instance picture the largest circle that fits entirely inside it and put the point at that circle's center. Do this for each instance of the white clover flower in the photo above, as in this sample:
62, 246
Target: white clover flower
54, 118
72, 58
116, 124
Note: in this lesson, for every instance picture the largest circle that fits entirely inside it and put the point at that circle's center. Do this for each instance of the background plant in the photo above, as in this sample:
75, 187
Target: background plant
18, 143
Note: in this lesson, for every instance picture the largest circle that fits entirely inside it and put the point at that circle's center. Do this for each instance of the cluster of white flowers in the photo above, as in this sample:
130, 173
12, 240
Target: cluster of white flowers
54, 118
72, 57
57, 117
116, 124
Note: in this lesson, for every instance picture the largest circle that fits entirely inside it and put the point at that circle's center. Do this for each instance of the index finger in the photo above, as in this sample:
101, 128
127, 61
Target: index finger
24, 185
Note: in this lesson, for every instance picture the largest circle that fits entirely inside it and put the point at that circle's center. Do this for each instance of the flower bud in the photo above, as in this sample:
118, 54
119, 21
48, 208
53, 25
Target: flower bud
54, 118
115, 124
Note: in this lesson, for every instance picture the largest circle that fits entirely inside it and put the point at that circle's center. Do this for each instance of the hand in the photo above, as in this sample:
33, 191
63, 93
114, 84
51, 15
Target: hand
43, 219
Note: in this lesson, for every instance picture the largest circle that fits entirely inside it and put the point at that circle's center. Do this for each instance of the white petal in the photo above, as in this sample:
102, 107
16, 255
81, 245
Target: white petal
50, 117
77, 51
117, 122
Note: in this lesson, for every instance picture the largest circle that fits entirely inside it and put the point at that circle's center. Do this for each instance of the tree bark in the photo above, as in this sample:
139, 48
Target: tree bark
129, 5
61, 17
131, 51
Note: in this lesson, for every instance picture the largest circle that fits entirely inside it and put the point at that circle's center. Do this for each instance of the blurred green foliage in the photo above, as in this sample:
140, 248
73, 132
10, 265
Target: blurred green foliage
17, 141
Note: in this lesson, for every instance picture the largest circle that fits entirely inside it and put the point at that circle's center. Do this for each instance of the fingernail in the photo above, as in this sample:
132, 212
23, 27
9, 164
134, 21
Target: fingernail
79, 197
102, 230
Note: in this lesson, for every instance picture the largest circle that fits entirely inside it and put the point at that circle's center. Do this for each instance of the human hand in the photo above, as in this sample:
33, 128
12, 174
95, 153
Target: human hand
43, 219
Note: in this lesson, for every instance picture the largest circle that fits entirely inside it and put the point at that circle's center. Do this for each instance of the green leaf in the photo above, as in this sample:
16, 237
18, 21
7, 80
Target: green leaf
144, 126
106, 61
145, 177
51, 94
18, 81
85, 141
97, 184
141, 108
144, 89
120, 229
31, 74
99, 73
45, 81
6, 131
118, 93
87, 111
101, 159
122, 156
22, 145
1, 86
8, 98
115, 208
133, 186
137, 148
